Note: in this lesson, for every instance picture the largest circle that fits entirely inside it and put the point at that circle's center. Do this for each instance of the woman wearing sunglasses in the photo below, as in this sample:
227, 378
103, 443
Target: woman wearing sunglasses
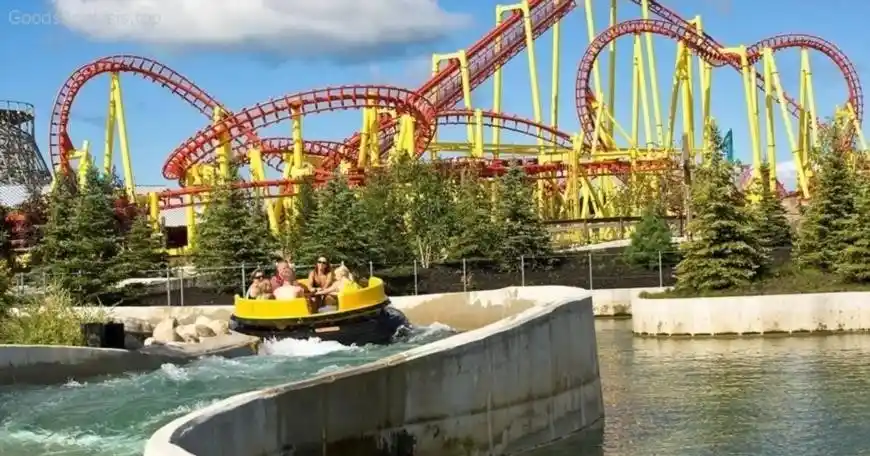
260, 287
321, 277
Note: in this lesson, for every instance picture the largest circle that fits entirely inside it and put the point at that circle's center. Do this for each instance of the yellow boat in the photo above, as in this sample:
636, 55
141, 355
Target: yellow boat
363, 316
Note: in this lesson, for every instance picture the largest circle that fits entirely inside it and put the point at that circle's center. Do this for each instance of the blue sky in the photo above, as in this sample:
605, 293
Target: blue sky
276, 53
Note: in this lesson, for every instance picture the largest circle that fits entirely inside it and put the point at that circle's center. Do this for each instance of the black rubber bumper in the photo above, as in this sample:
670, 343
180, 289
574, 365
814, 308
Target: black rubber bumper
372, 326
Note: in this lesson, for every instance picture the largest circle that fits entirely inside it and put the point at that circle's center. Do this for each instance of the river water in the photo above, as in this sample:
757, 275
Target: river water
760, 396
805, 396
114, 417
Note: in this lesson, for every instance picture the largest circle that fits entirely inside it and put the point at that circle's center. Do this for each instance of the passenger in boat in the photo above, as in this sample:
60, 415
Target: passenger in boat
321, 277
283, 272
260, 287
292, 288
264, 290
343, 282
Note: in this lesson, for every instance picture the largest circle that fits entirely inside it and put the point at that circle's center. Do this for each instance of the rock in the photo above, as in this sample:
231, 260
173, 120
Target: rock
133, 325
131, 342
147, 327
202, 320
220, 327
187, 333
149, 342
204, 330
165, 331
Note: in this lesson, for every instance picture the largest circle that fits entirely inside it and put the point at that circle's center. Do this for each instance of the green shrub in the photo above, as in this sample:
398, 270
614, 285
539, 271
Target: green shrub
651, 243
49, 319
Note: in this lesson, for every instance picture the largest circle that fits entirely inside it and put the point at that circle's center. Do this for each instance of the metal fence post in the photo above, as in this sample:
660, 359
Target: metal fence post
244, 281
371, 269
522, 270
168, 286
590, 270
181, 287
416, 290
661, 271
464, 276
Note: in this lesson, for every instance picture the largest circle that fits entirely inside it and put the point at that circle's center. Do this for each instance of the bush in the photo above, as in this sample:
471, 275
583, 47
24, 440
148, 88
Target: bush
651, 243
50, 319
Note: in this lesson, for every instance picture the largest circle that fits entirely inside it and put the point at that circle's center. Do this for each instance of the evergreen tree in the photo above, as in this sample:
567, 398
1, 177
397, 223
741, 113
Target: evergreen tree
5, 260
90, 266
383, 202
143, 253
304, 210
651, 241
473, 236
57, 232
724, 251
853, 262
232, 232
519, 230
429, 214
823, 233
338, 231
770, 222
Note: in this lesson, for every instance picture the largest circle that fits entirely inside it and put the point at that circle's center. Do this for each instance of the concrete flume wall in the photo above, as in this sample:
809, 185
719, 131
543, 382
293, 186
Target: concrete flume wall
525, 379
816, 312
46, 364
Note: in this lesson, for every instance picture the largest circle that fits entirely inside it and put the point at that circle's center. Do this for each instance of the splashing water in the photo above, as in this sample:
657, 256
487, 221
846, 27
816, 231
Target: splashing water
115, 416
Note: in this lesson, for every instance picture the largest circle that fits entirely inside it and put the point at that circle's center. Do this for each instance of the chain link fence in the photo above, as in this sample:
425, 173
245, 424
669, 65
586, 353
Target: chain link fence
595, 269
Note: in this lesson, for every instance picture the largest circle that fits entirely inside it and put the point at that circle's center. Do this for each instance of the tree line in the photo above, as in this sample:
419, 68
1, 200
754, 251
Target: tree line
91, 238
410, 211
733, 232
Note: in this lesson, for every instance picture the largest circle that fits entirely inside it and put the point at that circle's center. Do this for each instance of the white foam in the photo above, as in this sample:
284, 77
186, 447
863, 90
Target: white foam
72, 384
178, 411
303, 348
174, 372
424, 333
72, 439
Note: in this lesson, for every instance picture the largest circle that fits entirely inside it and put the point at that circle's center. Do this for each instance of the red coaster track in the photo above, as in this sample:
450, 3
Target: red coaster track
431, 105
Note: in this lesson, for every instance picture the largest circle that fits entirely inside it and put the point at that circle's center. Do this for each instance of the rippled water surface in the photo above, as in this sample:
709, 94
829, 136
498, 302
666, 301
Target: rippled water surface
803, 396
115, 417
795, 396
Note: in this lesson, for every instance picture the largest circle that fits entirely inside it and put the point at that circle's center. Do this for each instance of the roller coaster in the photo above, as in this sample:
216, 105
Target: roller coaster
577, 173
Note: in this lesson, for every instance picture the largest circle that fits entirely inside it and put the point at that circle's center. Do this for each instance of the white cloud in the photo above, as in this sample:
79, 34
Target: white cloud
786, 169
786, 172
292, 27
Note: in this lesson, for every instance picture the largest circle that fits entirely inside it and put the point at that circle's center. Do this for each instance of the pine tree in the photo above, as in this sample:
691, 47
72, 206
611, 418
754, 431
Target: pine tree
232, 232
383, 202
429, 213
823, 234
770, 222
853, 262
473, 235
338, 230
724, 251
519, 230
143, 253
91, 266
57, 233
5, 261
651, 241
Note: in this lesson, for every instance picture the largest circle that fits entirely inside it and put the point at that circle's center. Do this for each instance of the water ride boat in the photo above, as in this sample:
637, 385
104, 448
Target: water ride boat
363, 316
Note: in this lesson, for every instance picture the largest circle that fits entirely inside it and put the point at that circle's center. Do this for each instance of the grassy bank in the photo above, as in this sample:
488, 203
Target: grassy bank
48, 319
783, 281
